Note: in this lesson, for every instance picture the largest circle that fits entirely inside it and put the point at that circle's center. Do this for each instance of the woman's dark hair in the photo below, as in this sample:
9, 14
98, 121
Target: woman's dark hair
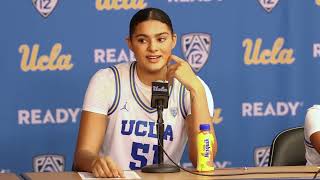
149, 14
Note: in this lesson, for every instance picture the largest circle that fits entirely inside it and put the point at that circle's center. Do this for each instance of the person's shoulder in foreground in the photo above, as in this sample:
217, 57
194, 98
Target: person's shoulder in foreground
312, 135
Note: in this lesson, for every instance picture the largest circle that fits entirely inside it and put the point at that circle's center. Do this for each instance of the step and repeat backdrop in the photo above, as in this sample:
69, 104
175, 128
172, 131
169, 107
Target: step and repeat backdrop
260, 58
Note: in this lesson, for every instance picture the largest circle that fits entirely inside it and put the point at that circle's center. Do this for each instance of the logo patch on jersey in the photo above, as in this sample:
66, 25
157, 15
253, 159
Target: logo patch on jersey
124, 107
196, 48
48, 163
45, 7
268, 5
174, 111
261, 156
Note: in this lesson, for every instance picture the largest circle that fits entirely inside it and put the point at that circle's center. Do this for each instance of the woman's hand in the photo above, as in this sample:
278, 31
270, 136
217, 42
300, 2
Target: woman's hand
105, 167
182, 71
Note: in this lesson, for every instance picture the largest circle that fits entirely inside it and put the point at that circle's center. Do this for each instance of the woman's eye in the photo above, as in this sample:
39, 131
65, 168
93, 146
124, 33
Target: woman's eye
162, 39
142, 41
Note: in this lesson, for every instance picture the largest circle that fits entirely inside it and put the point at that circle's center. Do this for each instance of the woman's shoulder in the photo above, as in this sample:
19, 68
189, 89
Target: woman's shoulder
109, 71
313, 113
312, 118
315, 107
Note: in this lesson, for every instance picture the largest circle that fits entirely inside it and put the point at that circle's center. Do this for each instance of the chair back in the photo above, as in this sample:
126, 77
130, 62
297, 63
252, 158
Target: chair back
288, 149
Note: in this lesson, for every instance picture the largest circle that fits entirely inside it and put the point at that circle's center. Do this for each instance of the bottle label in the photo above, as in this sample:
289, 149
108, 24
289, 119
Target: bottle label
205, 142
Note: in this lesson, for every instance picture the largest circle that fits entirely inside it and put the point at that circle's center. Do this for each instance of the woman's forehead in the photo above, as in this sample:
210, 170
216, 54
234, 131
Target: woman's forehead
151, 28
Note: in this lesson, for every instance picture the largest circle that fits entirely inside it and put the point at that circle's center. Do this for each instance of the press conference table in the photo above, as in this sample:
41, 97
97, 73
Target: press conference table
225, 173
9, 176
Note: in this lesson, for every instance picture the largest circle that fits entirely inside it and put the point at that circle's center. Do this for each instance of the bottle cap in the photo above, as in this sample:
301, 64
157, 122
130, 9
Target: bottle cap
204, 127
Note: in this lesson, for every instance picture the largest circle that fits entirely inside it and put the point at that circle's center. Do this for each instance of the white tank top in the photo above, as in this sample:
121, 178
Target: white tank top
130, 137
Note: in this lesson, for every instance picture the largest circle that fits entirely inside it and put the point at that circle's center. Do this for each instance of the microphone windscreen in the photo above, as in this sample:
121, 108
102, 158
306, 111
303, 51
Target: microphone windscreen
160, 94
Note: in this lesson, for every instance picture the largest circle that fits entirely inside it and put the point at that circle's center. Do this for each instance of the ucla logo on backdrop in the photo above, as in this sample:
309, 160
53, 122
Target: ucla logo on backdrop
217, 118
113, 55
317, 2
120, 4
254, 55
261, 156
45, 7
275, 109
316, 50
48, 116
32, 61
268, 5
196, 48
48, 163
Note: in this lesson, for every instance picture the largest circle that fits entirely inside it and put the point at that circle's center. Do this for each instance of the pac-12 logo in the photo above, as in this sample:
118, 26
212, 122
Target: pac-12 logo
48, 163
268, 5
45, 7
261, 156
196, 48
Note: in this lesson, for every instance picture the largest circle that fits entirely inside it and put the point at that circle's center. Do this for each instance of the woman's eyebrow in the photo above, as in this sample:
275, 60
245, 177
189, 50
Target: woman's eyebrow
145, 35
163, 33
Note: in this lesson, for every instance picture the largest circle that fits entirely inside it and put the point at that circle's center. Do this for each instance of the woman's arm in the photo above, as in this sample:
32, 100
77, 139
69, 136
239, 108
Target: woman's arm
182, 71
90, 139
315, 141
199, 115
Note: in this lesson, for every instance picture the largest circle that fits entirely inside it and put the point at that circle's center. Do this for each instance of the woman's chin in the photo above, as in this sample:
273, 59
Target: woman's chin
155, 68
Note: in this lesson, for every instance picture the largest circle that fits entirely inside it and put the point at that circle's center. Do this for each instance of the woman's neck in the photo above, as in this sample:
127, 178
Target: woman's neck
147, 77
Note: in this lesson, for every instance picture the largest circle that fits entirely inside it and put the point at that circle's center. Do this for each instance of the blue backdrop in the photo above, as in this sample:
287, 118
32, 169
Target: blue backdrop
260, 58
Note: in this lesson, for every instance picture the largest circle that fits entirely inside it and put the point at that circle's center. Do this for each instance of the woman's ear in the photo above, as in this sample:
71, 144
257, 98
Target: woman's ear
174, 40
129, 43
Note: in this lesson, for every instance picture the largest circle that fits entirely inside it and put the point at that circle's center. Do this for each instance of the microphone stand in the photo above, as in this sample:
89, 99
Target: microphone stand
160, 167
160, 132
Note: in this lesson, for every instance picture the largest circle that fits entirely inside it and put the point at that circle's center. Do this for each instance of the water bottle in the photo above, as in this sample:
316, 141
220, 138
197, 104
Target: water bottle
205, 142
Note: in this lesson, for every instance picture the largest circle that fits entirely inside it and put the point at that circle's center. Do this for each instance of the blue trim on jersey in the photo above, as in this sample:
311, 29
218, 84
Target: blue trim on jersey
135, 92
171, 89
307, 143
118, 87
181, 101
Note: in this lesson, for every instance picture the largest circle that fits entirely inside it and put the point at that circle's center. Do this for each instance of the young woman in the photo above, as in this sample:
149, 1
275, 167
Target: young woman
118, 125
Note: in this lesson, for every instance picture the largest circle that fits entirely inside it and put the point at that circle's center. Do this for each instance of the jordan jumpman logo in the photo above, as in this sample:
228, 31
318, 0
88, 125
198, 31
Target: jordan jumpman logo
125, 107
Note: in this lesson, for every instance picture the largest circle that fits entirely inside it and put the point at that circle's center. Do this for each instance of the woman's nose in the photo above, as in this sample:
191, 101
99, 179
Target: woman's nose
153, 46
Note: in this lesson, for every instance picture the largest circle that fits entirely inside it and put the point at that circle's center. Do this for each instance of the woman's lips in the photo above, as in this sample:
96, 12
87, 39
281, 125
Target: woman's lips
154, 58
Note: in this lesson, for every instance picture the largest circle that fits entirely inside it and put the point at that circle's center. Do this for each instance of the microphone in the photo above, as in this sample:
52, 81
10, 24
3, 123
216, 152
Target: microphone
160, 94
159, 100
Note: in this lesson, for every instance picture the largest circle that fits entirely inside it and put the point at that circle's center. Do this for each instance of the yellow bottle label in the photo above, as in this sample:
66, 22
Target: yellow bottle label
205, 142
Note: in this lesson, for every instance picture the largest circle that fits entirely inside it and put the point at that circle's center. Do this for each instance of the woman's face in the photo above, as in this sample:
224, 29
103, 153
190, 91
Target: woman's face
152, 43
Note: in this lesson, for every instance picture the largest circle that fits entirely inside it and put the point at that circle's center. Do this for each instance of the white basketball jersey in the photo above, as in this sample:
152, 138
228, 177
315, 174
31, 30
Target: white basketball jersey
130, 137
